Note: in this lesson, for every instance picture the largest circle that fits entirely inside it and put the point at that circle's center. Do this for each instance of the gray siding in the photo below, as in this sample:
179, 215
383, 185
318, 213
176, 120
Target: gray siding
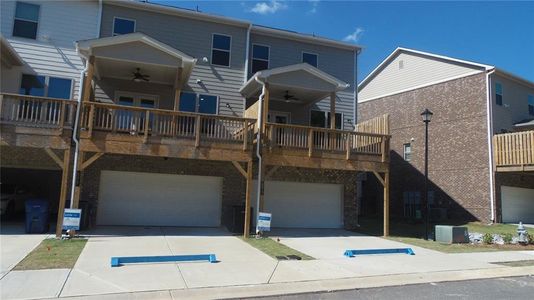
194, 38
515, 103
336, 62
61, 23
416, 71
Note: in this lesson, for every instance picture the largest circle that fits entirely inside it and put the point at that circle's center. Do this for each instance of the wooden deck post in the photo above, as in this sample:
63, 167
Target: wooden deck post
178, 88
63, 193
247, 200
88, 79
333, 110
386, 203
76, 200
266, 97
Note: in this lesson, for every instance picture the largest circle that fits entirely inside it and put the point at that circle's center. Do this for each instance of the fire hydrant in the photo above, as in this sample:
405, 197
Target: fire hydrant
522, 234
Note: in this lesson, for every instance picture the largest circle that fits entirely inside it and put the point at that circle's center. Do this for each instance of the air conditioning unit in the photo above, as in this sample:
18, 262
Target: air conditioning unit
451, 234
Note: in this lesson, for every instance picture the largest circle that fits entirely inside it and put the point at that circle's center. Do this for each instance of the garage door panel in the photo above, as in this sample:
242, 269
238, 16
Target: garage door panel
131, 198
304, 205
517, 204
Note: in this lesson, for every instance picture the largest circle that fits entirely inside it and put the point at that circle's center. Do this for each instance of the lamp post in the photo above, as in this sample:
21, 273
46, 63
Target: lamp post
427, 116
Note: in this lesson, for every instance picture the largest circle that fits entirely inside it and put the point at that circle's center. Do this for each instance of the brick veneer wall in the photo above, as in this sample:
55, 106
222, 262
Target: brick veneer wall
458, 150
234, 184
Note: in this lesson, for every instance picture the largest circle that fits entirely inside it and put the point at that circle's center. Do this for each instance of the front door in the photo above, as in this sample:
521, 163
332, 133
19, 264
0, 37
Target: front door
278, 117
133, 121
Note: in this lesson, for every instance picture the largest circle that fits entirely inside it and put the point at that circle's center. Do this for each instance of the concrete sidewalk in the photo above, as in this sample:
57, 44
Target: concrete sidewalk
245, 271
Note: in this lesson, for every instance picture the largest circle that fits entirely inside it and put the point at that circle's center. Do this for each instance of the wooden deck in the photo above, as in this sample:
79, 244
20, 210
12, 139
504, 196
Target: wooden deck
514, 152
40, 122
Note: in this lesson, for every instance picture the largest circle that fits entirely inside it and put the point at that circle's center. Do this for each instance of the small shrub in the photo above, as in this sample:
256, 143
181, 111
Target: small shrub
507, 238
487, 238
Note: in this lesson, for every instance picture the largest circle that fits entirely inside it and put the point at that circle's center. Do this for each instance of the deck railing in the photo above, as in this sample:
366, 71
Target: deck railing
514, 149
314, 139
34, 111
147, 122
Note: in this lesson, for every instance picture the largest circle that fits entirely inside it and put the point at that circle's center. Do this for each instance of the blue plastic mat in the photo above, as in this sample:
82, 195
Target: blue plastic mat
353, 253
117, 261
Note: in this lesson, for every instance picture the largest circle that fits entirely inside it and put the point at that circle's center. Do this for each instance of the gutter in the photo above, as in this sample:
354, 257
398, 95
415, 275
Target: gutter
258, 146
489, 120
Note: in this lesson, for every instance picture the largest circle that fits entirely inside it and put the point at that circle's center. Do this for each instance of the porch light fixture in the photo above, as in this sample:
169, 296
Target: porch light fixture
228, 105
427, 116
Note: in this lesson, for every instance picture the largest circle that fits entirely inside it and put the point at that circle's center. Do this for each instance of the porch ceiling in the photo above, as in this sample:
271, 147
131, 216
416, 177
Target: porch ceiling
305, 83
119, 56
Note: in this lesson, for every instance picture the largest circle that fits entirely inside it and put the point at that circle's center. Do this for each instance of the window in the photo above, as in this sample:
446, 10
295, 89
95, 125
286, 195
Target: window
322, 119
43, 86
205, 104
310, 58
531, 105
123, 26
26, 20
407, 152
498, 94
220, 50
260, 58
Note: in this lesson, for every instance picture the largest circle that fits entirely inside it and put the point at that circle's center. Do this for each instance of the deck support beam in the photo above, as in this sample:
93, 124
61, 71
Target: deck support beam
265, 116
178, 88
385, 183
246, 229
333, 110
63, 193
88, 79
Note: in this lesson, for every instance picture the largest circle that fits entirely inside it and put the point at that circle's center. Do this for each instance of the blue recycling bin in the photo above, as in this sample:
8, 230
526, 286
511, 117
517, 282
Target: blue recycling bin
36, 215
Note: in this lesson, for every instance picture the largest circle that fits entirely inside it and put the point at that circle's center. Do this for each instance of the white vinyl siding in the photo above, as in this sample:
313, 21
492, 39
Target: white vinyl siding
416, 71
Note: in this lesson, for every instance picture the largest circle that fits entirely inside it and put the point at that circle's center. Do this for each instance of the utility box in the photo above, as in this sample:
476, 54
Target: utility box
451, 234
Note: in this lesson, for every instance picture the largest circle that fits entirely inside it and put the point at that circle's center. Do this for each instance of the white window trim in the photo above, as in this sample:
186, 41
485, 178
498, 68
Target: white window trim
268, 60
122, 18
47, 81
404, 151
327, 126
197, 100
218, 49
312, 53
15, 18
136, 97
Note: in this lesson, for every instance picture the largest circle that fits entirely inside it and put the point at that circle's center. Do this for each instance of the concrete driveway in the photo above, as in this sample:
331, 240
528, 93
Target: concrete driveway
15, 244
328, 246
240, 264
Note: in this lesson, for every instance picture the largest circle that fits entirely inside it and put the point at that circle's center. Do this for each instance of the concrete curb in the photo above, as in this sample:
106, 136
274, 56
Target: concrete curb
319, 286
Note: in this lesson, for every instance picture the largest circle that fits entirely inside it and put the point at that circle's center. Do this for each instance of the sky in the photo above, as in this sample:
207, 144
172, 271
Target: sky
490, 32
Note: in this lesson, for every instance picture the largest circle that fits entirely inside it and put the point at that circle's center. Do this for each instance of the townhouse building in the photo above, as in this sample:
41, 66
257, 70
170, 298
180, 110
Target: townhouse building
181, 118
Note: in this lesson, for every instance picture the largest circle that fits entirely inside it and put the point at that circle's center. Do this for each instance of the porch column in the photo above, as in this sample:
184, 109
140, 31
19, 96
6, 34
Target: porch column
88, 79
386, 203
178, 88
246, 230
265, 106
77, 184
333, 110
63, 193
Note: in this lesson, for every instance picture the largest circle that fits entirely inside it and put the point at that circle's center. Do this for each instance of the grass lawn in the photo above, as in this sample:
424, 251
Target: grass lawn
413, 234
53, 254
274, 248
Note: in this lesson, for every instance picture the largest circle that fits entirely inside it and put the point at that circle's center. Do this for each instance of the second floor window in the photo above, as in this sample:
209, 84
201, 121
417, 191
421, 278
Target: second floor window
310, 58
321, 119
44, 86
260, 58
498, 94
407, 152
123, 26
220, 50
531, 105
26, 20
199, 103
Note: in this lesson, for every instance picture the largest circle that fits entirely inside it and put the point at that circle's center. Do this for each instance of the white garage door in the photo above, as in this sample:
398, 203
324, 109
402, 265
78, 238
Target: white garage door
517, 205
147, 199
304, 205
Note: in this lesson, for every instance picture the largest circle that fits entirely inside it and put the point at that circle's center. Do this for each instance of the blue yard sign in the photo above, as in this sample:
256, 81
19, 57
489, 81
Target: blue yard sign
71, 219
264, 221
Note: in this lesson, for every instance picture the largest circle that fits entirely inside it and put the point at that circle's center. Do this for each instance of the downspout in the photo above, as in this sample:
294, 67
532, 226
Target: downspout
258, 146
75, 131
489, 119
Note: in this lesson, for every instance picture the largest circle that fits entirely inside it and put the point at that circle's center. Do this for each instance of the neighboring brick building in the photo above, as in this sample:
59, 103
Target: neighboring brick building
461, 177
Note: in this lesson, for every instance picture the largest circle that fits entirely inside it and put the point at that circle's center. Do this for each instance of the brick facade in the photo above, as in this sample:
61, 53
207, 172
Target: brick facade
458, 145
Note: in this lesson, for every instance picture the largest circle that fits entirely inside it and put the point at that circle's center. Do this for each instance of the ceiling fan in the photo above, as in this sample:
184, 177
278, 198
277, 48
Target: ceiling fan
138, 77
288, 97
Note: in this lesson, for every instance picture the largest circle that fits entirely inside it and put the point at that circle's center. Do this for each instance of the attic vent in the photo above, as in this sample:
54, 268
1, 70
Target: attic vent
401, 64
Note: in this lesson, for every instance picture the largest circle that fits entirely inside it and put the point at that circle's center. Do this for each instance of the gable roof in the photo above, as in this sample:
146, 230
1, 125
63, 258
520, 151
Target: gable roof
399, 50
